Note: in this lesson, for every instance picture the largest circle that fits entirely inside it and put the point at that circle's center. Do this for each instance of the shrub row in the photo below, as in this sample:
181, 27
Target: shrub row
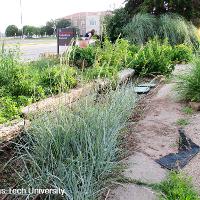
156, 56
24, 83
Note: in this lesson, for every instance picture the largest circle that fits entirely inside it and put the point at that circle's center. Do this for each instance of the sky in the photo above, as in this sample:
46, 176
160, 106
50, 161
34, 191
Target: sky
38, 12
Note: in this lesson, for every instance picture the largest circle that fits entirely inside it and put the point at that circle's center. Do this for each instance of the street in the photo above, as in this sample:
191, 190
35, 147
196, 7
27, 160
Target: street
32, 48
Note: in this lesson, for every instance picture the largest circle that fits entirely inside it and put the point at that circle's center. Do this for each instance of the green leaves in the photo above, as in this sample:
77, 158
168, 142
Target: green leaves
24, 83
8, 109
153, 58
182, 53
83, 57
178, 186
188, 9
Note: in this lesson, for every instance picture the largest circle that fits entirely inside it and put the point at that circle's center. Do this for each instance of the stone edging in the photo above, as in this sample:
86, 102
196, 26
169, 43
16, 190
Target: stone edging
10, 130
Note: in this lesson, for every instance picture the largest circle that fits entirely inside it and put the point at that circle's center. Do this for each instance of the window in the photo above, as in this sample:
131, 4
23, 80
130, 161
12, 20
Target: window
82, 23
93, 22
75, 23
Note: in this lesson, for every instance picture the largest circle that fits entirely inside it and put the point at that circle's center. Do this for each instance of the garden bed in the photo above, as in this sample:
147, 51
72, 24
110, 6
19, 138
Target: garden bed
10, 130
60, 136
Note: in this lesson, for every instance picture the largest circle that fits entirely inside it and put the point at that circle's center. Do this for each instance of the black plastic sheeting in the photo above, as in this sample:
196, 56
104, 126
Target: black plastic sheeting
187, 150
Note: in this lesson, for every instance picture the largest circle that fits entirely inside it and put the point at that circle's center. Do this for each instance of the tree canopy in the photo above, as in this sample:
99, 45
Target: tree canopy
190, 9
11, 31
115, 23
62, 23
31, 30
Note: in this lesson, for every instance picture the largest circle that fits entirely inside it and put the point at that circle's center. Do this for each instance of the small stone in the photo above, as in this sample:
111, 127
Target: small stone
195, 106
125, 74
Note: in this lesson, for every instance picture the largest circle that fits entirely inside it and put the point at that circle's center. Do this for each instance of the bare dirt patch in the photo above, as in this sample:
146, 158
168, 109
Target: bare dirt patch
157, 132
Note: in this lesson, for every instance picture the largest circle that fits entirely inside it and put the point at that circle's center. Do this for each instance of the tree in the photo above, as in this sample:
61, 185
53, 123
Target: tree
11, 31
43, 30
62, 23
31, 30
115, 23
50, 27
190, 9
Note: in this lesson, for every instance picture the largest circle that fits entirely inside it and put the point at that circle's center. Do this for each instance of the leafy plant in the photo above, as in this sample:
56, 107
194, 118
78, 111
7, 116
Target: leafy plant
178, 186
9, 109
83, 57
24, 83
110, 59
182, 122
58, 79
78, 147
153, 58
188, 110
182, 53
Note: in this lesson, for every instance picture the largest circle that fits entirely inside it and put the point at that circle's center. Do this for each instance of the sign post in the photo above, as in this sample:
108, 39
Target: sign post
64, 37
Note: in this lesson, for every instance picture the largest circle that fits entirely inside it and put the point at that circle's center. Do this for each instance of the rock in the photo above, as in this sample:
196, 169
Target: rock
142, 90
195, 106
151, 85
132, 192
125, 74
142, 168
11, 130
54, 102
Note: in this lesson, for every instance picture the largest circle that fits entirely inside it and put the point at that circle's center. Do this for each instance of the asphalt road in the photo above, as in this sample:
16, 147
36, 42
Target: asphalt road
33, 52
31, 49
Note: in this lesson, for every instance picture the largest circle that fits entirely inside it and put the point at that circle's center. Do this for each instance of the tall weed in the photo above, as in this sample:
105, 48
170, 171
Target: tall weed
171, 26
188, 85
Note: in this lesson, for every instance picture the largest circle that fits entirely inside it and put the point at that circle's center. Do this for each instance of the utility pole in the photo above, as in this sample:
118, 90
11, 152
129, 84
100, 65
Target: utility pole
21, 19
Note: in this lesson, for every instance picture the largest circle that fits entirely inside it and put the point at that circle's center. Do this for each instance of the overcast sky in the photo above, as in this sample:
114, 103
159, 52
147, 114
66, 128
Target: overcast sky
37, 12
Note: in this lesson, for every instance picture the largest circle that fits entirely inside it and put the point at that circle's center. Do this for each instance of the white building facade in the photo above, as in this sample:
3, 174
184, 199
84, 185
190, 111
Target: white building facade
86, 21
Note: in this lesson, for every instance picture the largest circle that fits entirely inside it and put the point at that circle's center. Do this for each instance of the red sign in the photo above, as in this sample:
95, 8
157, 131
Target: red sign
65, 35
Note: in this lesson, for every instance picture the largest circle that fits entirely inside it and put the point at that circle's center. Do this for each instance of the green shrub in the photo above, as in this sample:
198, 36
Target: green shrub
171, 26
178, 186
83, 57
115, 23
153, 58
8, 109
182, 53
8, 63
110, 59
43, 63
29, 82
77, 150
58, 79
188, 86
101, 72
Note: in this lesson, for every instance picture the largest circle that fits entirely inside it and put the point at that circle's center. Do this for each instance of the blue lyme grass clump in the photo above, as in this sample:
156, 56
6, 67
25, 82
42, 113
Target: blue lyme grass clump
76, 148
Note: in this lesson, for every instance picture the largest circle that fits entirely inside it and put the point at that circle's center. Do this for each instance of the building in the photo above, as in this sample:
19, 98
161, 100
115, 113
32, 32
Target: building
87, 21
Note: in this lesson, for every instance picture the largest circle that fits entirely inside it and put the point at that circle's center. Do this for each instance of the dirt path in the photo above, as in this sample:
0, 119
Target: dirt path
157, 132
